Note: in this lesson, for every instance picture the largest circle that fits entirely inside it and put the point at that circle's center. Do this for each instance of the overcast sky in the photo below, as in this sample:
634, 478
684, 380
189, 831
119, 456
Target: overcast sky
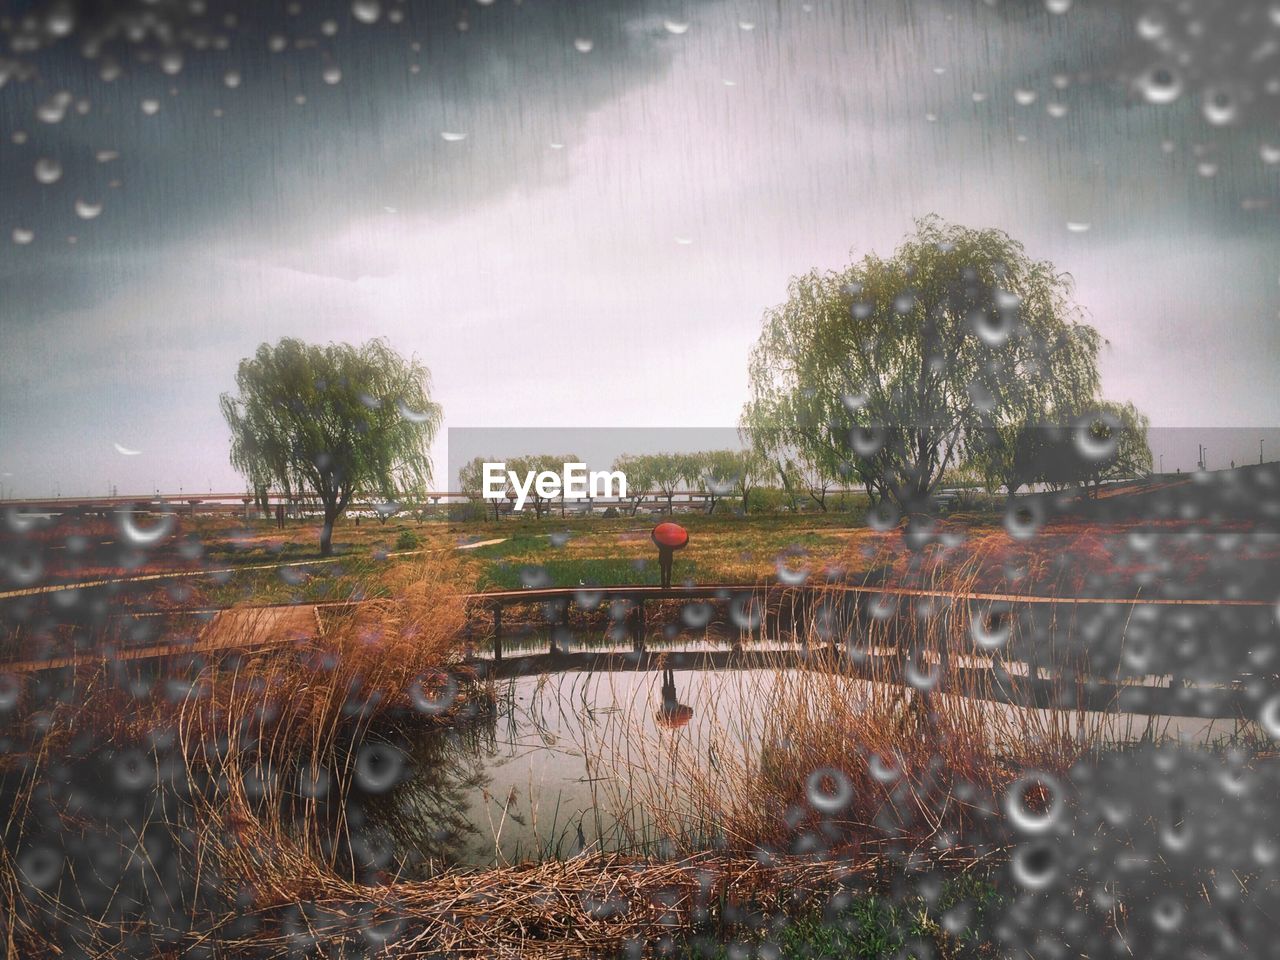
575, 213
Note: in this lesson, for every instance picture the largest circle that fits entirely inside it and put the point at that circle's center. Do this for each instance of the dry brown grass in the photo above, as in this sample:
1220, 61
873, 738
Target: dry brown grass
903, 722
919, 763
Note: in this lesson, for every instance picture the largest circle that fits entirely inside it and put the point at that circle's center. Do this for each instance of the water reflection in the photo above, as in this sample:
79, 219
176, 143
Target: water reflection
537, 776
556, 768
428, 819
672, 714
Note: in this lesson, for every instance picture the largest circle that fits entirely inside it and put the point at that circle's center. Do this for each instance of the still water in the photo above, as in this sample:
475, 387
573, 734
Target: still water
545, 775
575, 761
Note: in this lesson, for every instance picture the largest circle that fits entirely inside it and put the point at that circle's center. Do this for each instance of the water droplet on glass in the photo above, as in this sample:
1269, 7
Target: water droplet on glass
981, 397
1024, 97
991, 329
378, 767
1270, 153
696, 614
990, 629
144, 536
313, 781
332, 75
10, 691
1056, 109
1161, 84
791, 576
866, 441
54, 109
366, 11
48, 170
1097, 436
452, 136
1151, 25
676, 26
412, 415
435, 693
1220, 106
829, 790
1048, 793
1035, 865
882, 770
40, 866
684, 241
920, 675
150, 106
1269, 717
87, 210
883, 517
60, 20
22, 236
1022, 518
231, 78
1167, 914
583, 44
1057, 6
1077, 226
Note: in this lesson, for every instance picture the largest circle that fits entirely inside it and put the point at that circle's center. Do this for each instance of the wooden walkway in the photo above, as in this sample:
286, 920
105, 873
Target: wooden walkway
239, 629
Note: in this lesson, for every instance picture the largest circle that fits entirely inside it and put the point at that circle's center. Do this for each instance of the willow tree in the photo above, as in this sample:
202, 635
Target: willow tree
338, 420
1105, 443
891, 370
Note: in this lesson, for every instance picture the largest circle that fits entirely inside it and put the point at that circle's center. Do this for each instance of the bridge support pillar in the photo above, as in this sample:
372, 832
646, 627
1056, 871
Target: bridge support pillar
497, 631
638, 627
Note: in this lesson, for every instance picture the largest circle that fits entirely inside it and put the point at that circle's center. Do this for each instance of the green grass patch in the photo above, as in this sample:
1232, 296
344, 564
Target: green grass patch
570, 572
870, 926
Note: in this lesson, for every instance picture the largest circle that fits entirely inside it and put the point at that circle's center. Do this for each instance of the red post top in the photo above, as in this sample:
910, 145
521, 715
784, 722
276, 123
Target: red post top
670, 535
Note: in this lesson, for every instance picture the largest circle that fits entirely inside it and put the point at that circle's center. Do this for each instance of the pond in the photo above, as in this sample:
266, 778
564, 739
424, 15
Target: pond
579, 761
544, 774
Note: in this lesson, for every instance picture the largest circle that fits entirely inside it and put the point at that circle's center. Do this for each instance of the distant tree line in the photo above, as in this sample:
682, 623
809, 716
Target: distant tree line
958, 356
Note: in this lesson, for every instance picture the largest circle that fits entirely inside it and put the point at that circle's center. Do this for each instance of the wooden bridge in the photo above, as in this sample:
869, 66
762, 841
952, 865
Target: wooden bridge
243, 629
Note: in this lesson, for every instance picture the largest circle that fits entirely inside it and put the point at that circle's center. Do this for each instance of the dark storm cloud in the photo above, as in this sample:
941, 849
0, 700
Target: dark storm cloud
251, 159
700, 168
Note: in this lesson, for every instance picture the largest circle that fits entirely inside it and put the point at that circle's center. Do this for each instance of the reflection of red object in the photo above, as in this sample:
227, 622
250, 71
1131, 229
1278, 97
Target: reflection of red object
670, 535
675, 716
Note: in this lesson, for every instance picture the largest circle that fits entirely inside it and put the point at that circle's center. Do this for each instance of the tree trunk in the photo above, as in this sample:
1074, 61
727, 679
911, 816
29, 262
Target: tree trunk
326, 531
